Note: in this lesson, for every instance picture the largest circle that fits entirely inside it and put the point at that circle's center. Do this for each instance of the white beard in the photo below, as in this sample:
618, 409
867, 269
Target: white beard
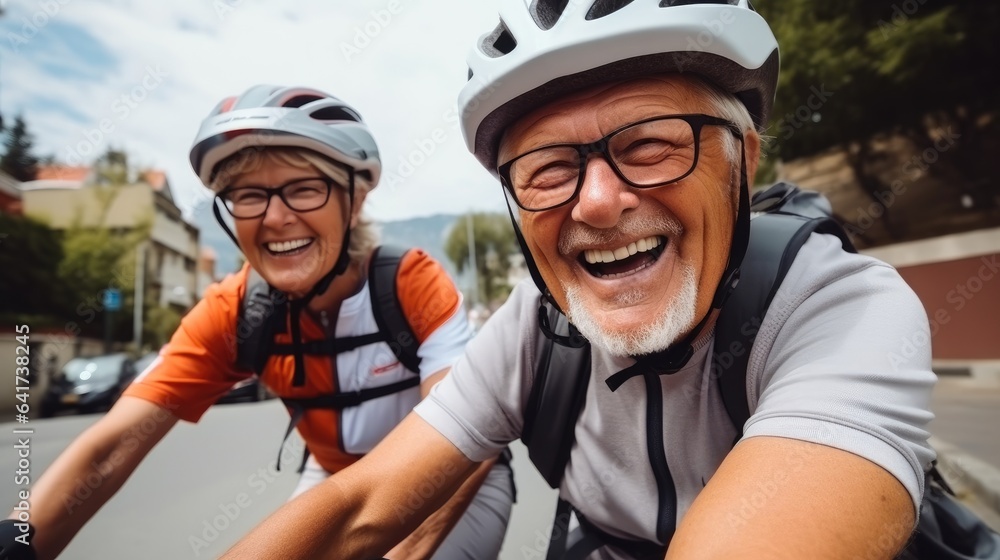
675, 319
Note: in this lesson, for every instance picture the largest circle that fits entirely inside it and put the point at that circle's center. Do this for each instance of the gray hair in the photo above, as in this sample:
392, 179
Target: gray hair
724, 105
364, 236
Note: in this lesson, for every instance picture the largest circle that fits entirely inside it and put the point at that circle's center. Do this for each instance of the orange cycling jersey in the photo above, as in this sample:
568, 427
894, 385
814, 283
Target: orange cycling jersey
197, 367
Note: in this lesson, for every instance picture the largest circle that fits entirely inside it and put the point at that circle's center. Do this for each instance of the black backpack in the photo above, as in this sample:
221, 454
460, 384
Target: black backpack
783, 219
263, 313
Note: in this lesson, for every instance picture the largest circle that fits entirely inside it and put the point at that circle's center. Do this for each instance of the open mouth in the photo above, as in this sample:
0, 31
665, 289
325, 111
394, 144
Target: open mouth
623, 261
288, 248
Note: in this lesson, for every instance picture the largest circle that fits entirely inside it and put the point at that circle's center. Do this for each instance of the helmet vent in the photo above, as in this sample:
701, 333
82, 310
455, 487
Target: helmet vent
499, 42
547, 12
672, 3
300, 100
335, 114
601, 8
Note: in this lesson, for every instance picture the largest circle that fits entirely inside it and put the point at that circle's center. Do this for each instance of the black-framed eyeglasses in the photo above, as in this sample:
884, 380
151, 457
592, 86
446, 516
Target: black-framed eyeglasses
645, 154
301, 195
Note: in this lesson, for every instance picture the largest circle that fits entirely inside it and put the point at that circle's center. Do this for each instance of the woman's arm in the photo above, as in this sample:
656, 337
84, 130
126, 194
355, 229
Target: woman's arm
89, 472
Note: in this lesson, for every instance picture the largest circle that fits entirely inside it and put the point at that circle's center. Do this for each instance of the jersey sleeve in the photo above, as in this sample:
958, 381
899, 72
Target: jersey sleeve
433, 307
843, 359
197, 366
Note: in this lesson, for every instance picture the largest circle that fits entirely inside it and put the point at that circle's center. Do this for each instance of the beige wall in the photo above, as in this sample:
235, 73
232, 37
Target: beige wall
60, 207
44, 349
172, 255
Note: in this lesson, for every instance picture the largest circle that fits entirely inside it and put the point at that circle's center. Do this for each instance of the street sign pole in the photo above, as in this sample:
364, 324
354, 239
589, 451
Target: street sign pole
107, 330
112, 302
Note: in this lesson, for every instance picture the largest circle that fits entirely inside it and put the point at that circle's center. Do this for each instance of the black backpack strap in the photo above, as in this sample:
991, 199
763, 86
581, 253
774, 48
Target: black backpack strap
262, 315
562, 373
775, 240
337, 401
382, 272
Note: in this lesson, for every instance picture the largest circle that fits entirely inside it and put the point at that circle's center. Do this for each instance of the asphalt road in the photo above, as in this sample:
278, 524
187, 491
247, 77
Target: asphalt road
206, 486
967, 415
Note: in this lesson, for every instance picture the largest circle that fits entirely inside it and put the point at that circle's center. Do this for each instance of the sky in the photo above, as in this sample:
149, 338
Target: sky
140, 76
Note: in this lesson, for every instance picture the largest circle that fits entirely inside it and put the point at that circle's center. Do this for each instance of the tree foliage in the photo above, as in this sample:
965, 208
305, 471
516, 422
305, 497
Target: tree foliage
883, 67
30, 253
160, 324
18, 161
855, 69
494, 244
98, 258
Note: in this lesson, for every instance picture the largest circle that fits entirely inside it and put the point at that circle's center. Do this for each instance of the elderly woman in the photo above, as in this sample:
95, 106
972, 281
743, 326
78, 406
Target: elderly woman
292, 166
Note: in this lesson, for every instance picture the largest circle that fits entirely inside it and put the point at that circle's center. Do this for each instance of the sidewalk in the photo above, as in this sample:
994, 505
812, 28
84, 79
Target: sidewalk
975, 482
964, 435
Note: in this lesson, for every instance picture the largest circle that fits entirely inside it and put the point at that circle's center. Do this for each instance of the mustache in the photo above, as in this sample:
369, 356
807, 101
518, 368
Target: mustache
577, 236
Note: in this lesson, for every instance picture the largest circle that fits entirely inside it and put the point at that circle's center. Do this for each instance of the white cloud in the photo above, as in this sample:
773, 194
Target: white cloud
404, 80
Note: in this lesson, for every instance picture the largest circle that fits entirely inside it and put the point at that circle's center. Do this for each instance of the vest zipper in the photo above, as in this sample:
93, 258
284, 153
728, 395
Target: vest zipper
666, 512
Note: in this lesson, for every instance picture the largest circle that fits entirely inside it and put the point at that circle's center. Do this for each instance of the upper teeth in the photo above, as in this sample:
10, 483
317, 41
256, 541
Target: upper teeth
594, 256
283, 246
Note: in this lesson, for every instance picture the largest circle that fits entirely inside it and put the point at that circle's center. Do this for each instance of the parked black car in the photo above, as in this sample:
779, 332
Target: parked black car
89, 383
143, 362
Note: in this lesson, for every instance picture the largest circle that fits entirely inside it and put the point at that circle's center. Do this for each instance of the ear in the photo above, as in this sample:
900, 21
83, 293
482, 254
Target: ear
752, 142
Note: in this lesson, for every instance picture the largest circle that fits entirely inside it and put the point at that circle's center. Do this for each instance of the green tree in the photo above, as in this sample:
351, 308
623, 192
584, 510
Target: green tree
494, 243
160, 324
856, 69
112, 168
18, 160
98, 258
30, 253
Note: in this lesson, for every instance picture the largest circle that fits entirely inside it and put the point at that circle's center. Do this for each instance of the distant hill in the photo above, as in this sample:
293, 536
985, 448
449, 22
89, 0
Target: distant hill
428, 233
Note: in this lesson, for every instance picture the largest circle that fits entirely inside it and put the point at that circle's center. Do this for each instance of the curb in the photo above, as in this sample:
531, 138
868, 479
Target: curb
976, 475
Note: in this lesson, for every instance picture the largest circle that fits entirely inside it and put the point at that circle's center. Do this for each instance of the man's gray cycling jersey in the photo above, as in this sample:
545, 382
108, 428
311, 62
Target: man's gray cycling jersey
842, 359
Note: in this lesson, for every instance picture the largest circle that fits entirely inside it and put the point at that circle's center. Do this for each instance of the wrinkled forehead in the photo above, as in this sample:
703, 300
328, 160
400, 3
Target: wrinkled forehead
608, 105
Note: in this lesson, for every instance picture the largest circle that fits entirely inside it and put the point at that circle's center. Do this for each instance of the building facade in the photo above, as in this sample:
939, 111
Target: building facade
167, 257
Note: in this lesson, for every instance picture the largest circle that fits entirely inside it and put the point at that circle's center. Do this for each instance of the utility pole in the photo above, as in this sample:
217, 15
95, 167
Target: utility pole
472, 261
140, 293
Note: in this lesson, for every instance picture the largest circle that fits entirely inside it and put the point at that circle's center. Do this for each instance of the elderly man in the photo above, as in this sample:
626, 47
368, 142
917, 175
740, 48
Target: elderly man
624, 134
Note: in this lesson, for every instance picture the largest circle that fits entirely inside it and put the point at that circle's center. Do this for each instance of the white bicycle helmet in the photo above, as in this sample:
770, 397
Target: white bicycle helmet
549, 48
268, 115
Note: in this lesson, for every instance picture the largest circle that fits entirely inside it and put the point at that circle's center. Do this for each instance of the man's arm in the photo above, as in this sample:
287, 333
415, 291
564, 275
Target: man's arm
65, 497
431, 533
365, 509
777, 498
